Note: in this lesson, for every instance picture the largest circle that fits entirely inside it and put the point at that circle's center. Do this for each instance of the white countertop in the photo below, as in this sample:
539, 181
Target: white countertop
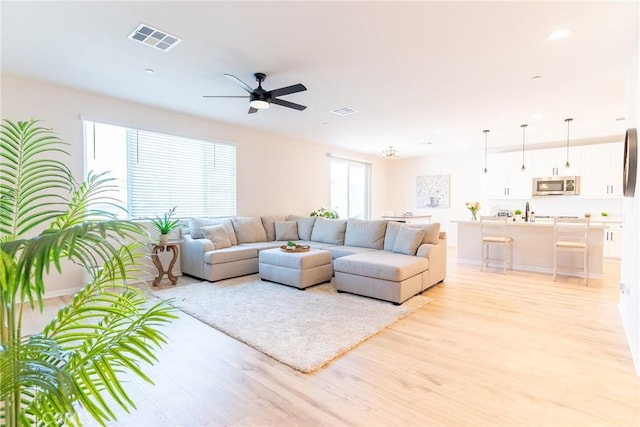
536, 223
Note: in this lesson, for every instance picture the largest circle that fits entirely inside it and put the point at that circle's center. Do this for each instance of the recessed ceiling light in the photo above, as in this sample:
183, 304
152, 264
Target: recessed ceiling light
537, 116
149, 70
562, 33
536, 77
426, 143
620, 119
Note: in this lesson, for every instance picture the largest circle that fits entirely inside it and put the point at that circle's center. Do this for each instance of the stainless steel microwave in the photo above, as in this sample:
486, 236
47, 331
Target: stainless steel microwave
556, 186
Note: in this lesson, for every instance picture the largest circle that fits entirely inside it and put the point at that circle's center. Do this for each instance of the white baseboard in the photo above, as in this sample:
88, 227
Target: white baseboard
525, 268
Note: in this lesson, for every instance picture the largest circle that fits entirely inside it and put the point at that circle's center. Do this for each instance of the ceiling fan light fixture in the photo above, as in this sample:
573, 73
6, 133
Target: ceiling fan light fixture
259, 104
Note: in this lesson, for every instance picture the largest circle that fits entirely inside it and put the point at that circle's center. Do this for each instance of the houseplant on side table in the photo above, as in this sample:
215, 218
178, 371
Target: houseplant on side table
74, 367
165, 224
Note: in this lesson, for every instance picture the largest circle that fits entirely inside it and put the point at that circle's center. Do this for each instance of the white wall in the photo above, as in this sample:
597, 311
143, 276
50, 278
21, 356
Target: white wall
630, 275
264, 161
466, 185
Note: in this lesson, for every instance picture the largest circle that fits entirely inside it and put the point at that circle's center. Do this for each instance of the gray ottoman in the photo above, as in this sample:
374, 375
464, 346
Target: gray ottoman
298, 269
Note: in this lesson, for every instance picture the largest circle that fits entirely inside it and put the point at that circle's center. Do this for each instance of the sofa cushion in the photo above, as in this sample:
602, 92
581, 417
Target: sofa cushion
249, 229
328, 230
431, 232
196, 224
286, 230
268, 223
382, 265
408, 240
366, 234
218, 236
393, 227
340, 251
234, 253
305, 225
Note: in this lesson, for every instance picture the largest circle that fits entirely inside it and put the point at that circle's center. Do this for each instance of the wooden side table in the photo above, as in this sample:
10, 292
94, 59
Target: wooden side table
171, 245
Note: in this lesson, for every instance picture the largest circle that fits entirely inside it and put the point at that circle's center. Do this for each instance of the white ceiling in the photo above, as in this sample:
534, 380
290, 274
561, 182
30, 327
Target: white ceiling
417, 72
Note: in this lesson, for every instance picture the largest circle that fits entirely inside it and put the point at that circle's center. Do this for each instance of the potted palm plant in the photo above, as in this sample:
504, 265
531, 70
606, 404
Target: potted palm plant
165, 224
72, 368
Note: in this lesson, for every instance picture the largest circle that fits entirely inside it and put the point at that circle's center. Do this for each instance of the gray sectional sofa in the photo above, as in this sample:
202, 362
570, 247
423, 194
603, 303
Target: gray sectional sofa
379, 259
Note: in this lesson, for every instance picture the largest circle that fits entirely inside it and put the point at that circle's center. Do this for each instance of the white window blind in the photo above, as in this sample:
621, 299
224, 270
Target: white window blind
162, 171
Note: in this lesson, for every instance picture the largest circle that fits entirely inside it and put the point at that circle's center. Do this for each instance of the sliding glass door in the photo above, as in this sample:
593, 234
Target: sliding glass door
351, 188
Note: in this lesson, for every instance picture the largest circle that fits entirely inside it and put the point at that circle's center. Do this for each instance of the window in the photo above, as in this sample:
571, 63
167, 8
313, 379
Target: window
154, 172
350, 188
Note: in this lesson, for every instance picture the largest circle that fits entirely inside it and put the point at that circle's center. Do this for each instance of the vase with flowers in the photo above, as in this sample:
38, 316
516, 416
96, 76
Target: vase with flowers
474, 207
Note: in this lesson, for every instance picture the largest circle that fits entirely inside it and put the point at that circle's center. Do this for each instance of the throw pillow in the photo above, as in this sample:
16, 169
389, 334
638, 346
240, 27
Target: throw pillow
286, 230
249, 229
327, 230
431, 232
218, 236
393, 227
196, 224
268, 222
305, 225
408, 240
364, 233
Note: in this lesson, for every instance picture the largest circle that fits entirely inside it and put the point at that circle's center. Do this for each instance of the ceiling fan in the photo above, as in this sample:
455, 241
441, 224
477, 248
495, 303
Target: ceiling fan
260, 98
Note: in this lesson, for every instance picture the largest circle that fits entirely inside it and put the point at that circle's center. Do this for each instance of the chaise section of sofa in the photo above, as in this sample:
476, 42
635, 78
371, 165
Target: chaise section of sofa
412, 259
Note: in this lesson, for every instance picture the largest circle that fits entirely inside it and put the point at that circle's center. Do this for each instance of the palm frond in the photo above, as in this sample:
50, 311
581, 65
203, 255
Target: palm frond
88, 244
30, 177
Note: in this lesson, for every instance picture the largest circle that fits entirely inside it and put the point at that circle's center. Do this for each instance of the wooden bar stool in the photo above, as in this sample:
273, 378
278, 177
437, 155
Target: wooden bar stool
493, 231
571, 235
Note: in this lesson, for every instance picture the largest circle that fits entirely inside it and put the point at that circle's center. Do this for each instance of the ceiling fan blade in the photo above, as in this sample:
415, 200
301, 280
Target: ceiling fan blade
239, 82
252, 110
288, 104
223, 96
286, 90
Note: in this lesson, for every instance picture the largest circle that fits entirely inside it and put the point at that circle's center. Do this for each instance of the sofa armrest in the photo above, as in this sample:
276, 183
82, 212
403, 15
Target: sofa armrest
437, 256
192, 255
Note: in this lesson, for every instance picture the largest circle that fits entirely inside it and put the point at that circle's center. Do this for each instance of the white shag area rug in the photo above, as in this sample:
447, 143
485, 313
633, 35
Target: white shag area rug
302, 329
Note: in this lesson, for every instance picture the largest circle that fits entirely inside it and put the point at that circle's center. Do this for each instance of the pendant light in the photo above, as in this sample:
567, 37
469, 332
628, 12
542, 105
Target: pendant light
568, 165
486, 131
523, 168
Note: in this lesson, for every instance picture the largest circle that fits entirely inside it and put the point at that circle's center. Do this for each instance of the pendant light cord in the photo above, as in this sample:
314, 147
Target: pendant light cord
523, 129
486, 131
568, 165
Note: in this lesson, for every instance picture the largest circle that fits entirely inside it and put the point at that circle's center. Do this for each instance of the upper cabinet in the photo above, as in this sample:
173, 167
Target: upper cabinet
602, 166
552, 162
505, 179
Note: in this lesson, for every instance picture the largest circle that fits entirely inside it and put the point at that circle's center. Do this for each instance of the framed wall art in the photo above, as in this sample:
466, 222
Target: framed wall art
432, 191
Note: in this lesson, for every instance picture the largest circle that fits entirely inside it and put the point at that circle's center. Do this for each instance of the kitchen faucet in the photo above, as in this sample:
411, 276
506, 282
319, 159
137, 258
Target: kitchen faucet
526, 212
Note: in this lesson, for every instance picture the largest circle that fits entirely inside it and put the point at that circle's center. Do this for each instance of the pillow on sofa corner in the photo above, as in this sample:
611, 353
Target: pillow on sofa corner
249, 229
286, 230
218, 236
305, 225
326, 230
431, 232
268, 223
196, 224
408, 240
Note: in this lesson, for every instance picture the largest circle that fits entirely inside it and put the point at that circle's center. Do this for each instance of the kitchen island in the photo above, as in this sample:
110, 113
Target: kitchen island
532, 246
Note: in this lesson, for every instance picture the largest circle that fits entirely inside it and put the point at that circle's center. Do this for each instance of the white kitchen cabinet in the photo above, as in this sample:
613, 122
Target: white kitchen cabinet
505, 179
551, 162
602, 166
613, 240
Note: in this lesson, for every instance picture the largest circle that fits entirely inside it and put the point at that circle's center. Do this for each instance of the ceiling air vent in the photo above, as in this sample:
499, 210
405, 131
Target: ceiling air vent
344, 111
154, 37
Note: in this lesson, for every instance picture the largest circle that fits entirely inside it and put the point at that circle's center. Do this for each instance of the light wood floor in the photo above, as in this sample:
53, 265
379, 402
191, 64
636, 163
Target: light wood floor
491, 349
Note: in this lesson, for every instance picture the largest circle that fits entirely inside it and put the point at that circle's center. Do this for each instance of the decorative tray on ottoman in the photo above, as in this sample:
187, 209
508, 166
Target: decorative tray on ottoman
296, 248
